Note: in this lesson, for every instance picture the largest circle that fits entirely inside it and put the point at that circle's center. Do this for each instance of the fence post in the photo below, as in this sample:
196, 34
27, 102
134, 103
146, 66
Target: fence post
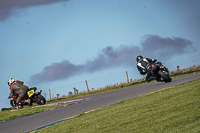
87, 85
177, 68
49, 94
127, 77
75, 91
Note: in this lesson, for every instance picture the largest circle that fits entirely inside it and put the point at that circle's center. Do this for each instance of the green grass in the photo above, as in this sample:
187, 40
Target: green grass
175, 109
13, 114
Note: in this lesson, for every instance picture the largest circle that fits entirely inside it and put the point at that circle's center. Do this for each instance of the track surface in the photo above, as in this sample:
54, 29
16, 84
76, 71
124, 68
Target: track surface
87, 103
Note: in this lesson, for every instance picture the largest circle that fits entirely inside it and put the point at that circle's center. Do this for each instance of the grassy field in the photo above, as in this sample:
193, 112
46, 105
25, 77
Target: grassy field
175, 109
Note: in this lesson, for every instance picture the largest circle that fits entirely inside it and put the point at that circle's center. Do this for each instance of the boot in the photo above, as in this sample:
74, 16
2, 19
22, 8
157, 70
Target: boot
29, 102
150, 79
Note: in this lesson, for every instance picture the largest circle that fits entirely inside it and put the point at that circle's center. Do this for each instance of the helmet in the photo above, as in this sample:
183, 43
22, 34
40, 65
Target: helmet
139, 58
10, 81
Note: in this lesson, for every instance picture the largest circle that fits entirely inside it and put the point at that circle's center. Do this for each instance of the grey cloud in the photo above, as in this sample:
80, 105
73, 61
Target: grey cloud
11, 7
57, 71
153, 47
166, 48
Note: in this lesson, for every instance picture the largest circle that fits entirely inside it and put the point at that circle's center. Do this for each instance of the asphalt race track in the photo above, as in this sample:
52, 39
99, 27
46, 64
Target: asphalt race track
84, 104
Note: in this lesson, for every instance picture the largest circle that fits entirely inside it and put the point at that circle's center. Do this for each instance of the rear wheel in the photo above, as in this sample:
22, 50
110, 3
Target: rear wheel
165, 77
40, 100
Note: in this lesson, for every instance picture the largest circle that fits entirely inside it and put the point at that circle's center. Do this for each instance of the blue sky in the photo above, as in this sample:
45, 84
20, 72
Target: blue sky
56, 42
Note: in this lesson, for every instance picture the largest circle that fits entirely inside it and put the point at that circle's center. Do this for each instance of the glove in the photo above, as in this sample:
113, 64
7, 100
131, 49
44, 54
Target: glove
10, 96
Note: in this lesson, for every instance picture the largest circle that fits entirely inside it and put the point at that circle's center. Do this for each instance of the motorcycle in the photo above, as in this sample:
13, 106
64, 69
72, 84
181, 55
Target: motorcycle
31, 97
160, 72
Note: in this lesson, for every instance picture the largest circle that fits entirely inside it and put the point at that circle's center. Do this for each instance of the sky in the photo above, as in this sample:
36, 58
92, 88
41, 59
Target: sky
51, 43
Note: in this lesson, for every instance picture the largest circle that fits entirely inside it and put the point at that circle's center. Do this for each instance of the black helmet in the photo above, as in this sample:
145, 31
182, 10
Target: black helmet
139, 58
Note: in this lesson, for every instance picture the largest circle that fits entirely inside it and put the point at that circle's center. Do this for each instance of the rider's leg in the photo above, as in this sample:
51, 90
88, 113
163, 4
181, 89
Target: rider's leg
22, 95
148, 77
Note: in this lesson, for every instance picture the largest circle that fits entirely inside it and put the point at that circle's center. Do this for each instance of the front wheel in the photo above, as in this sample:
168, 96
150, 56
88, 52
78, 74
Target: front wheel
40, 100
165, 77
13, 104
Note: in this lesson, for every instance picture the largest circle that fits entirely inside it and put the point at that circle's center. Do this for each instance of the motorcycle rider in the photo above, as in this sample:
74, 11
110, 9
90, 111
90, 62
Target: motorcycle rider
144, 67
19, 88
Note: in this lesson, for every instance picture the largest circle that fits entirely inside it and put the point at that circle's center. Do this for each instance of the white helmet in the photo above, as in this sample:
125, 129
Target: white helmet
10, 81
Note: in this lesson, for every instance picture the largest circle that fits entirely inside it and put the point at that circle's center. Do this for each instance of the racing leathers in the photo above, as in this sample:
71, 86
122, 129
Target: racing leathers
144, 67
19, 88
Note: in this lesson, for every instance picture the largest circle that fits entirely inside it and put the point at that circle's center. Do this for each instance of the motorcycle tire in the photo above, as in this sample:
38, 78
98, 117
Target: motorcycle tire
164, 76
13, 104
40, 100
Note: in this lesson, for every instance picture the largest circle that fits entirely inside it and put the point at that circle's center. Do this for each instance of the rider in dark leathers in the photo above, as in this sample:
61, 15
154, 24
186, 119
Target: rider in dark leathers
144, 67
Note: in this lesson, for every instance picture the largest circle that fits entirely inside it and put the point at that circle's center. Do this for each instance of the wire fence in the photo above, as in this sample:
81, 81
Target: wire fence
110, 80
183, 63
93, 84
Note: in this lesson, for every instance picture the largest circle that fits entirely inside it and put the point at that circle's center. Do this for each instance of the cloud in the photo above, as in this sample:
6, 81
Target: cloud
11, 7
166, 48
57, 71
152, 46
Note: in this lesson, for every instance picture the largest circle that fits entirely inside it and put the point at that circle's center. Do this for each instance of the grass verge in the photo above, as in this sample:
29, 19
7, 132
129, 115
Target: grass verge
13, 114
175, 109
